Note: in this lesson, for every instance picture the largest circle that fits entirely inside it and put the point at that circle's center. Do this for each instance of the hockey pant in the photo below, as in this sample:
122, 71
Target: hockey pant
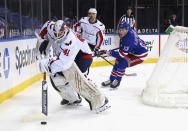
84, 87
63, 87
121, 64
83, 61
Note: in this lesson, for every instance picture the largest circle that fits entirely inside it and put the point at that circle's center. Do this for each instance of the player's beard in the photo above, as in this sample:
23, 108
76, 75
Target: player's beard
92, 20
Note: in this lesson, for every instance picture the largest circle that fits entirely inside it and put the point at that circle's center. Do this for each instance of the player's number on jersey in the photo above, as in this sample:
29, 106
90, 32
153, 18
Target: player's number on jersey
66, 52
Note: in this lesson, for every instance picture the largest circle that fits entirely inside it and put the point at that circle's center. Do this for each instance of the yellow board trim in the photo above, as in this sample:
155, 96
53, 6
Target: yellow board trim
11, 92
104, 63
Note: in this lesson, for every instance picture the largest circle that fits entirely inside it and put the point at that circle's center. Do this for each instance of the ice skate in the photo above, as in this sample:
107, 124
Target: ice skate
66, 102
115, 84
106, 83
77, 102
103, 107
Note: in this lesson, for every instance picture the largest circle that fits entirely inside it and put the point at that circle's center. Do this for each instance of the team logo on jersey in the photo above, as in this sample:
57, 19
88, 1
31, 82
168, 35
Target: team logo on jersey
126, 48
183, 45
68, 43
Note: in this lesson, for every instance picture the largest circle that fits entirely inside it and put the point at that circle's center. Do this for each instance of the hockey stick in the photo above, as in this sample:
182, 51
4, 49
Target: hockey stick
36, 34
44, 99
107, 60
115, 48
131, 74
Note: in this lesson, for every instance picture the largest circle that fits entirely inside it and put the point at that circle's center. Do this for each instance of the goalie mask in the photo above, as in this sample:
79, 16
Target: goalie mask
60, 29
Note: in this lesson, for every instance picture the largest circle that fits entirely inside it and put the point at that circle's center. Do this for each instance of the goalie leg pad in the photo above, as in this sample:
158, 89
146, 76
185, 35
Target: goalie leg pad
84, 87
63, 88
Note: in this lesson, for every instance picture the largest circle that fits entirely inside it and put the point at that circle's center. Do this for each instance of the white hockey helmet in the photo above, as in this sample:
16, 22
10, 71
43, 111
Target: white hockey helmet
60, 29
92, 10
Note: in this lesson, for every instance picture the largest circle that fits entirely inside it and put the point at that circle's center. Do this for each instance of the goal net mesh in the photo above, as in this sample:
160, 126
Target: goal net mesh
168, 83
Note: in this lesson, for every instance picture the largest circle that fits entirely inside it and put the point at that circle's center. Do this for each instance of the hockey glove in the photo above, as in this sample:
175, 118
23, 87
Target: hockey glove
109, 53
96, 49
43, 47
39, 41
103, 53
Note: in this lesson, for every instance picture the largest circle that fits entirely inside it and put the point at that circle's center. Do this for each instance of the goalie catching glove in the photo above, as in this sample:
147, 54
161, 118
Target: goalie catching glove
103, 53
43, 47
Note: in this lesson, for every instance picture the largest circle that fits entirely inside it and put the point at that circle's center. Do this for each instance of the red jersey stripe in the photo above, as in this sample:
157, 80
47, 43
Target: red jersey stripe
76, 26
43, 32
101, 39
87, 56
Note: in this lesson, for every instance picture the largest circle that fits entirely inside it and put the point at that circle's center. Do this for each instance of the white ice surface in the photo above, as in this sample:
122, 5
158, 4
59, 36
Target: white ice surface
126, 114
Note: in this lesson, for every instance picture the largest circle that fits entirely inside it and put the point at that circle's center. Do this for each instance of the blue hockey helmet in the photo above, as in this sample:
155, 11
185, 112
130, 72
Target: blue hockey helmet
123, 25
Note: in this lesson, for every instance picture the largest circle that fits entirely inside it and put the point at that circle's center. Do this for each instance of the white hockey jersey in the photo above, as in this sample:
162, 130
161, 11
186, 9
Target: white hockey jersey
67, 49
92, 33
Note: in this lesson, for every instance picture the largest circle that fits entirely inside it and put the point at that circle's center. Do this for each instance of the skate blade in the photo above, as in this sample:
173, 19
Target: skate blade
131, 74
102, 109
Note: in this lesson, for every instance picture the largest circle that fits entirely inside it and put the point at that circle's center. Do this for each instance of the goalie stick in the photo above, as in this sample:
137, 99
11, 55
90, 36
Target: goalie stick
44, 98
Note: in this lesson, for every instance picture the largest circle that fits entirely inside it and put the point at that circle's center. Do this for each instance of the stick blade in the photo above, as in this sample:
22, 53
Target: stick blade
131, 74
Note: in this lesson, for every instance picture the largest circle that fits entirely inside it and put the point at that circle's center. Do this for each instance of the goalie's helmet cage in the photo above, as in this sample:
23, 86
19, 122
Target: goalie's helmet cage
168, 84
60, 29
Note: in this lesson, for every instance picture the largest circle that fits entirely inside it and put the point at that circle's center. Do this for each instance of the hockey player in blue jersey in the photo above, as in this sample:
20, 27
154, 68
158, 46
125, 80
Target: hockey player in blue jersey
132, 51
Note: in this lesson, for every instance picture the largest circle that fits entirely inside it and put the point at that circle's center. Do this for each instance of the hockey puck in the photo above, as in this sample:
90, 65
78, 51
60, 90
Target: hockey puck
43, 122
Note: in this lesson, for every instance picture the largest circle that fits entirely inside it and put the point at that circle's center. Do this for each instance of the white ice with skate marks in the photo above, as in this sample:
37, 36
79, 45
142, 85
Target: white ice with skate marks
126, 114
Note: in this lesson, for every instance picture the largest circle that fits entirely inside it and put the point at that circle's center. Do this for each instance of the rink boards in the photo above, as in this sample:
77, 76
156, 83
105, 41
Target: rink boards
19, 67
154, 43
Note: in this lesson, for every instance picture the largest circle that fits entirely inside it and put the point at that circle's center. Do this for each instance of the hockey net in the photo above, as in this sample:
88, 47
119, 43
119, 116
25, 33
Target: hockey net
168, 83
